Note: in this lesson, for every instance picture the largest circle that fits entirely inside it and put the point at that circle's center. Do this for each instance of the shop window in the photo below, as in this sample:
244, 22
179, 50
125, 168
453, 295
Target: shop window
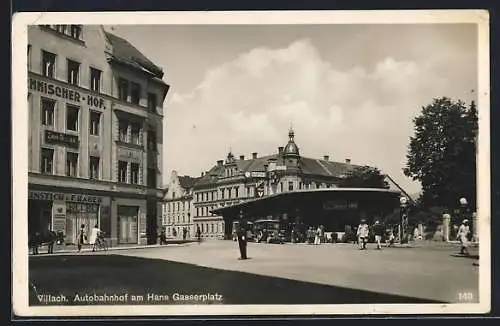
48, 112
134, 173
95, 121
136, 134
290, 186
281, 186
122, 130
135, 93
94, 167
151, 140
47, 161
95, 80
73, 72
48, 64
78, 214
300, 185
152, 102
71, 164
72, 117
123, 89
152, 178
122, 171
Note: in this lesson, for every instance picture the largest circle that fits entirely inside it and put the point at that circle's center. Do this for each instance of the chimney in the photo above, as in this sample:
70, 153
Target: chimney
220, 162
348, 161
254, 155
326, 158
280, 150
242, 157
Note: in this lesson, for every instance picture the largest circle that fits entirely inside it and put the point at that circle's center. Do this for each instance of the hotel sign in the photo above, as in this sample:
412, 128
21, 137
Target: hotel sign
57, 138
65, 93
58, 196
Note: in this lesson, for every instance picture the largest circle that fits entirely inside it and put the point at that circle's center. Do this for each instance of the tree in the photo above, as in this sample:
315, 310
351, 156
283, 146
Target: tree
442, 153
364, 177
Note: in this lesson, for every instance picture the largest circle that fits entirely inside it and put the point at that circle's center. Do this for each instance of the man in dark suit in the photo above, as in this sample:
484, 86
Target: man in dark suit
241, 234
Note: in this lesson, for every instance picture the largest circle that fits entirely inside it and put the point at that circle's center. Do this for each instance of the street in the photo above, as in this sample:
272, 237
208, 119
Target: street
274, 274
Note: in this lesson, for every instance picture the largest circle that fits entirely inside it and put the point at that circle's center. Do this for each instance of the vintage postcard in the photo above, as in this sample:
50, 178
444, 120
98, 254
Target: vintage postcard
251, 163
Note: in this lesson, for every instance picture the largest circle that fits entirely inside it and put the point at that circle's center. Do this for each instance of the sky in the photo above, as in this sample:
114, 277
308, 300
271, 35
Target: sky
349, 91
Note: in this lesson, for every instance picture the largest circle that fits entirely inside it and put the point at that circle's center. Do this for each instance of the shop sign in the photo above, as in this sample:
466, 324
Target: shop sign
58, 196
339, 205
59, 213
65, 93
57, 138
280, 168
258, 174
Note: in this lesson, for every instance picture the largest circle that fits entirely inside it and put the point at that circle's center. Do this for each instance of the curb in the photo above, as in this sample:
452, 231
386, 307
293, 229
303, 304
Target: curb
75, 251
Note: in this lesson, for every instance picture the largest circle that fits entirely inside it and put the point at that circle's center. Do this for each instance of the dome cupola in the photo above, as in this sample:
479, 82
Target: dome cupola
291, 148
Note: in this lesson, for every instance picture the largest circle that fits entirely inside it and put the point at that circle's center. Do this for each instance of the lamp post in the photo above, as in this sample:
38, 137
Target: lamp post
403, 202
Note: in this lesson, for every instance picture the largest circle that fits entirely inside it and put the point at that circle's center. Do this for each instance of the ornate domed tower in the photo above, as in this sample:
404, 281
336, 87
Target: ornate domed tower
291, 156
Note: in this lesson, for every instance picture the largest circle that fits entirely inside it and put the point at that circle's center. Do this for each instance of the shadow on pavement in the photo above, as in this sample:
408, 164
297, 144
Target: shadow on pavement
115, 274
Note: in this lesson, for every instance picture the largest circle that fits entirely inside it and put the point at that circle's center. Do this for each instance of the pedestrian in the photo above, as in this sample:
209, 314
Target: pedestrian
174, 232
463, 236
390, 237
362, 234
184, 233
198, 234
378, 230
81, 237
94, 234
317, 239
242, 241
163, 237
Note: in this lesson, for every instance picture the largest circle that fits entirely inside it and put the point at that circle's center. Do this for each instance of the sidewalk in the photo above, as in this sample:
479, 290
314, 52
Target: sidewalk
63, 249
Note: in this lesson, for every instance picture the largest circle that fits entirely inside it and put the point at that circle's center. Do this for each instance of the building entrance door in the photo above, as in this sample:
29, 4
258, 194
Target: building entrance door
39, 216
128, 224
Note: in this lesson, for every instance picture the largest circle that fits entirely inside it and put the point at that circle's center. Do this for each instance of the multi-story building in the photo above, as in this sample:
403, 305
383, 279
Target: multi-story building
178, 210
236, 180
95, 134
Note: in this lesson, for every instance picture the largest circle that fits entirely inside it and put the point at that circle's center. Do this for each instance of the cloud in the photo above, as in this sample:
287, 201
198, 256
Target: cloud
248, 105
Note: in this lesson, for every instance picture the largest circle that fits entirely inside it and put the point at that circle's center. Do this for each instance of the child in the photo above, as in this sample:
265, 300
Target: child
81, 237
363, 234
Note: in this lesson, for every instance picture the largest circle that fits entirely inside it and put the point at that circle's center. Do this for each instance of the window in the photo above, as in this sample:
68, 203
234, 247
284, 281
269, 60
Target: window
300, 185
122, 171
73, 72
48, 64
71, 164
95, 120
152, 102
94, 167
48, 112
152, 178
281, 186
29, 56
72, 118
95, 80
122, 130
151, 140
236, 192
135, 93
123, 89
76, 31
290, 186
47, 161
134, 173
136, 134
222, 193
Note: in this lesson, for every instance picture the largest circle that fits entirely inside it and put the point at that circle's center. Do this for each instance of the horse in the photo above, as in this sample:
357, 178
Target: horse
48, 238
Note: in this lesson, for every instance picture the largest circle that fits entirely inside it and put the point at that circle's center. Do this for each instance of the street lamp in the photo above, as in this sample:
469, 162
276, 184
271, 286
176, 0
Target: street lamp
403, 202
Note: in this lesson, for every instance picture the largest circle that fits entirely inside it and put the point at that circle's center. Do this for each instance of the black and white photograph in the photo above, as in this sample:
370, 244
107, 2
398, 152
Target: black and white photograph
251, 163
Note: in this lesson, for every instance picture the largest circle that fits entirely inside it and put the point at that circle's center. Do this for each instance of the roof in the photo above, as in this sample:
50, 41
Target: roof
126, 53
309, 166
187, 182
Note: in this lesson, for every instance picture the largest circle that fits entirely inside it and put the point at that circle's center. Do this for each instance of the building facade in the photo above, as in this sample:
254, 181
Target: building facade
236, 180
178, 209
95, 134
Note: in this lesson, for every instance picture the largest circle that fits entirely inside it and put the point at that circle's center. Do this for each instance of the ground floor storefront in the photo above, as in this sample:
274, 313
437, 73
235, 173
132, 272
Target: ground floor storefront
123, 218
210, 227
